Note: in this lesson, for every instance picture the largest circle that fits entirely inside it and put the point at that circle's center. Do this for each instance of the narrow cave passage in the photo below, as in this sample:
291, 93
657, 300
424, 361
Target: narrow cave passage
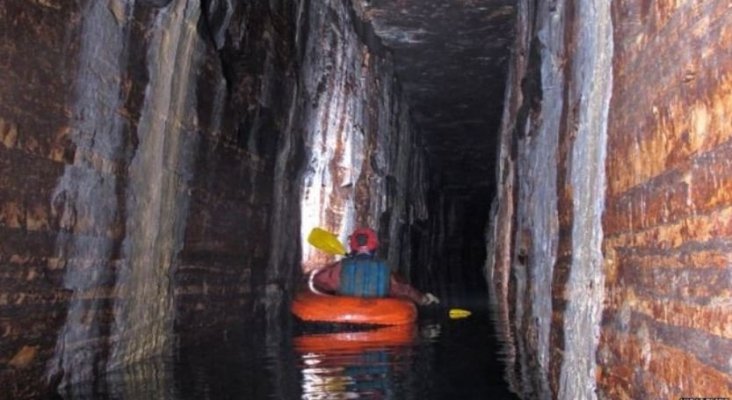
163, 162
560, 168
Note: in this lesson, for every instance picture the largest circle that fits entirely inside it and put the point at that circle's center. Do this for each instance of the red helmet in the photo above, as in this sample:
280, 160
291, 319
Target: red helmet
363, 240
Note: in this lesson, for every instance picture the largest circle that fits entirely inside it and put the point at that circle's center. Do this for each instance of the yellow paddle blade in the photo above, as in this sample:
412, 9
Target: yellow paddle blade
326, 241
457, 313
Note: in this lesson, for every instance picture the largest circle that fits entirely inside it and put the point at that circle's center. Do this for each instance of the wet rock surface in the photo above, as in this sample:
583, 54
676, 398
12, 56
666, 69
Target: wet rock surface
605, 262
153, 165
127, 199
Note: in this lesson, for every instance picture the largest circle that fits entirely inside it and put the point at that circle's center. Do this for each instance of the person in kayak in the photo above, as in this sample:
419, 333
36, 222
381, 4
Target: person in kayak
362, 274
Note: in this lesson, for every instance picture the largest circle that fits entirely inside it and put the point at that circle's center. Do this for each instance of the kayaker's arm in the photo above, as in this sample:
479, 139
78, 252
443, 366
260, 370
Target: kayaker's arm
401, 289
328, 278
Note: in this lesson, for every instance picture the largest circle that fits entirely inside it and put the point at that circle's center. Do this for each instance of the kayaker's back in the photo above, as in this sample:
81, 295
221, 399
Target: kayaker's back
363, 275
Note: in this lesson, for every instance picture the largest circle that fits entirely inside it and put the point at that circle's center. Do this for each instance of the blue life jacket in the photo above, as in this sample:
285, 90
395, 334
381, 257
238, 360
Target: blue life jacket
364, 276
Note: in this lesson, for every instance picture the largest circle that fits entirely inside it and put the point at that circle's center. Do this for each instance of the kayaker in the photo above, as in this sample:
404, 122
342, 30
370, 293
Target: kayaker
362, 274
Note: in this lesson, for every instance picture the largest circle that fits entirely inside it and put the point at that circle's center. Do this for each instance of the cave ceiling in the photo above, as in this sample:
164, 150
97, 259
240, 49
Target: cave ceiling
451, 59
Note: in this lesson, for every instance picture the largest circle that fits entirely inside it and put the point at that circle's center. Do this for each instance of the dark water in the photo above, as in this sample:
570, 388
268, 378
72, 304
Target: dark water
437, 358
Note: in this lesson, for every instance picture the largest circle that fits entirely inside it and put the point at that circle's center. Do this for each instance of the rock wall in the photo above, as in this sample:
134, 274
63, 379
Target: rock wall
667, 327
153, 159
122, 208
607, 252
364, 165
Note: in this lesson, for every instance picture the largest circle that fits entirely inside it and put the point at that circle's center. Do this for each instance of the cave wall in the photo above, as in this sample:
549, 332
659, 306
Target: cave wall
364, 165
153, 158
126, 200
667, 220
608, 258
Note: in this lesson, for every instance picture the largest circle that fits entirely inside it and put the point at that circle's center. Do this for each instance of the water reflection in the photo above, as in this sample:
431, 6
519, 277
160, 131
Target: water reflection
436, 359
354, 365
151, 379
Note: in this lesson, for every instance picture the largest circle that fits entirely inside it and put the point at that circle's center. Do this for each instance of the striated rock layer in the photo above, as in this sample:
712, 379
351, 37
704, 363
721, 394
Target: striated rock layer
667, 231
608, 254
122, 212
156, 158
363, 164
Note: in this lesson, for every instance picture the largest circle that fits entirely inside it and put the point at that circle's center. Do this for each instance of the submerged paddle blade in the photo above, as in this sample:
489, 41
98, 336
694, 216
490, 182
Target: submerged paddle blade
457, 313
326, 241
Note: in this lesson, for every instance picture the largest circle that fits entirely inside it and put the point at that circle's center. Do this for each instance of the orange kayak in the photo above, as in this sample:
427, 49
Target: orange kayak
353, 310
348, 342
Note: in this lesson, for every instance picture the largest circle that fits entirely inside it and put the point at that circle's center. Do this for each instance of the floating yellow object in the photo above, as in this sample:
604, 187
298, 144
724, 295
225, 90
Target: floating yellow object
326, 241
457, 313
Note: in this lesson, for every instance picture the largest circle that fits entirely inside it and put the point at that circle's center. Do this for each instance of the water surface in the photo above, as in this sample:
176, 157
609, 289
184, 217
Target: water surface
437, 358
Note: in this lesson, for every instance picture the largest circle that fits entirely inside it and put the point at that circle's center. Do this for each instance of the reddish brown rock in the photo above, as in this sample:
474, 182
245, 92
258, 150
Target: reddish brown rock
24, 357
664, 272
150, 172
